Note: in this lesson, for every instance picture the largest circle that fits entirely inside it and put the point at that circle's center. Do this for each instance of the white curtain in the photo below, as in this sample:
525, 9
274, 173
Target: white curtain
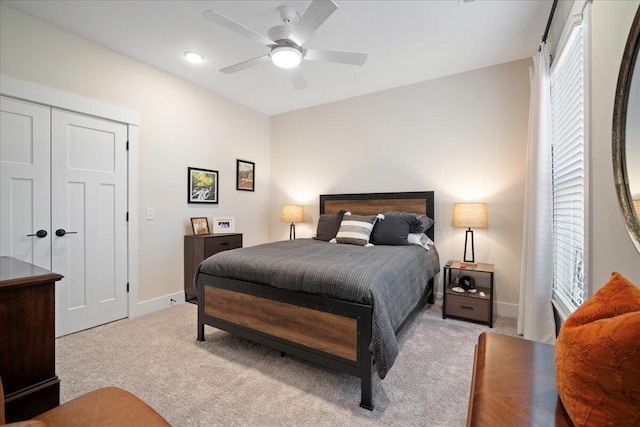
535, 315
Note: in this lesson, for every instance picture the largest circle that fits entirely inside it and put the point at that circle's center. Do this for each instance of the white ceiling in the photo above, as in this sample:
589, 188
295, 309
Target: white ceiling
407, 41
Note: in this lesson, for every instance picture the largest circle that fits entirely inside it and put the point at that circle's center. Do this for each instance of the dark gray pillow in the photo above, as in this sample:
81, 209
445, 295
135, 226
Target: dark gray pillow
425, 222
393, 229
328, 226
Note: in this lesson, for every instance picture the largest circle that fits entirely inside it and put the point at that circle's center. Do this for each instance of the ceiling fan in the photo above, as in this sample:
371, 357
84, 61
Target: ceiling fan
286, 41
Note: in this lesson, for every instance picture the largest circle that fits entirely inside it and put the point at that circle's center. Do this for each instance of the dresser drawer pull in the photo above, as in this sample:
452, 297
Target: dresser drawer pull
466, 307
224, 243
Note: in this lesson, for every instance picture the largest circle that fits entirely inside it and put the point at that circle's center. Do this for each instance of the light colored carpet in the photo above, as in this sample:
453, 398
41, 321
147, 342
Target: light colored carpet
231, 381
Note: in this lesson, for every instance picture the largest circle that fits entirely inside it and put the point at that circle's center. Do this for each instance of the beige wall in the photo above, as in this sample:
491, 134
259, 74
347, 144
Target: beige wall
181, 125
463, 136
611, 247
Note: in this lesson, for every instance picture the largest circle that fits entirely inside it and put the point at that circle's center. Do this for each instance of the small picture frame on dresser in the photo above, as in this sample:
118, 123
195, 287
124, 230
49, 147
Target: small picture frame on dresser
200, 225
224, 225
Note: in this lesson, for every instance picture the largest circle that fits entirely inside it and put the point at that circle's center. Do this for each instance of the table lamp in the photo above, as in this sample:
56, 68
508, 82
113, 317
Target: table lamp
469, 215
292, 214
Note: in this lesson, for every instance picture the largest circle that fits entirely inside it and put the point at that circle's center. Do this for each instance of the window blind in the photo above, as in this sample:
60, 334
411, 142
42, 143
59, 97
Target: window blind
568, 172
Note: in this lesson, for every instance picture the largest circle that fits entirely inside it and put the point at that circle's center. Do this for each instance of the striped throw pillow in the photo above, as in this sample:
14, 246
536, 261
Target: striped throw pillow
355, 229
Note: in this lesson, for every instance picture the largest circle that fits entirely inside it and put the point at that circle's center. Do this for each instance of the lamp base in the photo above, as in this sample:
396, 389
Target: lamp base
292, 231
466, 239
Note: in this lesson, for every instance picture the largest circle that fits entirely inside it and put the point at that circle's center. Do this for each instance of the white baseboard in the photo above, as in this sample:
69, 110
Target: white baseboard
155, 304
504, 309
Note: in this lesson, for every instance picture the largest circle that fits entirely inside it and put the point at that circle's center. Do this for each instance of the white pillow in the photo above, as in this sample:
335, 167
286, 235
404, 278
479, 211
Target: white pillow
420, 239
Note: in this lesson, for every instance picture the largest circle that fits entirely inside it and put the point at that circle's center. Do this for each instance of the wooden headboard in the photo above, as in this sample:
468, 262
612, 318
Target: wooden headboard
421, 202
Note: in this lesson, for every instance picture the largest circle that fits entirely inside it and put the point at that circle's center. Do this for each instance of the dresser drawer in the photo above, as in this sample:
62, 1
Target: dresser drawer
213, 245
468, 307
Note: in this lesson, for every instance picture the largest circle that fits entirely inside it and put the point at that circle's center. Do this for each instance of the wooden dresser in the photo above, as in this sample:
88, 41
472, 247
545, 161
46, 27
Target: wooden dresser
200, 247
27, 334
514, 384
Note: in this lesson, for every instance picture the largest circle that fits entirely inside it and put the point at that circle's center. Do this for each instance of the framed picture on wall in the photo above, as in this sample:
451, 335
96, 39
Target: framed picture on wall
245, 175
203, 185
200, 226
224, 224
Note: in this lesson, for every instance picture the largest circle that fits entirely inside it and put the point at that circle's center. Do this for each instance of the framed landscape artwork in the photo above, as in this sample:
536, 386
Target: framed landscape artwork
245, 175
203, 185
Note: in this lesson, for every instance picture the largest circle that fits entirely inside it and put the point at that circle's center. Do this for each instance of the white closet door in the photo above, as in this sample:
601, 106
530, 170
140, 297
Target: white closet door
25, 181
89, 195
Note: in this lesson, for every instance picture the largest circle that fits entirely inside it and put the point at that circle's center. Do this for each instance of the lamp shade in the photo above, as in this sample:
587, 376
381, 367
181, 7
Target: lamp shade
470, 215
292, 213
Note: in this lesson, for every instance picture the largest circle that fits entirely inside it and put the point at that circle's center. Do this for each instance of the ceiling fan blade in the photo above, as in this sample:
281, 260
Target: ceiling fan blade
297, 78
246, 64
317, 12
351, 58
232, 25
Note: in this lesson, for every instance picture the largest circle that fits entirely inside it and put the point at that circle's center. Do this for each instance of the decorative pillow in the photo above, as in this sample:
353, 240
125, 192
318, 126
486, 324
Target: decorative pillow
393, 229
417, 227
355, 229
328, 226
598, 358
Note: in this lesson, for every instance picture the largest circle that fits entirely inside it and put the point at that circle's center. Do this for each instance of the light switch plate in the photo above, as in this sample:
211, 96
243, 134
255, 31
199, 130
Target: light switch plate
151, 213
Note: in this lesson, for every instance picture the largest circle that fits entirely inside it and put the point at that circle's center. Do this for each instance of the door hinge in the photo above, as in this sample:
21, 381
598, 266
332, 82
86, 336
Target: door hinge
127, 286
127, 145
127, 216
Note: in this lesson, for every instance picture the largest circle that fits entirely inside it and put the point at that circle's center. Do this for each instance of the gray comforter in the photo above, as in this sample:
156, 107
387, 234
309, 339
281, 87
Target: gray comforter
390, 278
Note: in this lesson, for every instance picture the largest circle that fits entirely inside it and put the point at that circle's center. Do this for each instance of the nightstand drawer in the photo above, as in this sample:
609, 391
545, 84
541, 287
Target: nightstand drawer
221, 243
468, 307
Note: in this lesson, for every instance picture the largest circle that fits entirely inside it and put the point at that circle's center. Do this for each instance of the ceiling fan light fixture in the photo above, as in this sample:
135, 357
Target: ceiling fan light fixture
286, 56
194, 57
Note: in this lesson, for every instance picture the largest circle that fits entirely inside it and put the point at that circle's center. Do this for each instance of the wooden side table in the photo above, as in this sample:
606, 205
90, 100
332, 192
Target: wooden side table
200, 247
514, 384
27, 334
468, 306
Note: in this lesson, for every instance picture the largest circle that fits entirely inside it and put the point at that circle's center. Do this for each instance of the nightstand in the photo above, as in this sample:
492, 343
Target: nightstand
468, 306
200, 247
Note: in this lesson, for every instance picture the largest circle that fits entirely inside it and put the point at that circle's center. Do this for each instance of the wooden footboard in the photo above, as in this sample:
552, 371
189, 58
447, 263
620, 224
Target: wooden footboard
319, 330
330, 332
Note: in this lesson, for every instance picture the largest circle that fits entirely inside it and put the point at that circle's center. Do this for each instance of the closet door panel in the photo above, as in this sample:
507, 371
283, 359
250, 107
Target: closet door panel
89, 195
25, 181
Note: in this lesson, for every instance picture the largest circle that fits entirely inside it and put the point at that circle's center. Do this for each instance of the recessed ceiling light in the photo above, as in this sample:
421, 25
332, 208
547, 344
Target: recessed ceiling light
194, 57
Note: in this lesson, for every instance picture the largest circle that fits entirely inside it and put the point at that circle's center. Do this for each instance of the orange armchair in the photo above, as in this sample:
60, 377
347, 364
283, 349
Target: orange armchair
109, 406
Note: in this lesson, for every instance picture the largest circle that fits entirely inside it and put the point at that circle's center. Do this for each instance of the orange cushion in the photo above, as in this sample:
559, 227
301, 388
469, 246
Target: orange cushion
598, 358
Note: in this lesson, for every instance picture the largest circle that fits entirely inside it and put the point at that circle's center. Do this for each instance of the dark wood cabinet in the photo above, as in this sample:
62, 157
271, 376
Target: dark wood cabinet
27, 333
197, 249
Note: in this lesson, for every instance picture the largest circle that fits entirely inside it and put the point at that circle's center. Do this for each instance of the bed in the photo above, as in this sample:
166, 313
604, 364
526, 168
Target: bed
279, 295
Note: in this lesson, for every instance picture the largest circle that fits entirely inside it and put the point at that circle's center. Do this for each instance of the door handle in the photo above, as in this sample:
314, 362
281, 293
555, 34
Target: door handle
40, 233
61, 232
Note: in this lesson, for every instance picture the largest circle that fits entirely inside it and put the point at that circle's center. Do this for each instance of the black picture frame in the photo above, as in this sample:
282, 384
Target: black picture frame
202, 186
245, 175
